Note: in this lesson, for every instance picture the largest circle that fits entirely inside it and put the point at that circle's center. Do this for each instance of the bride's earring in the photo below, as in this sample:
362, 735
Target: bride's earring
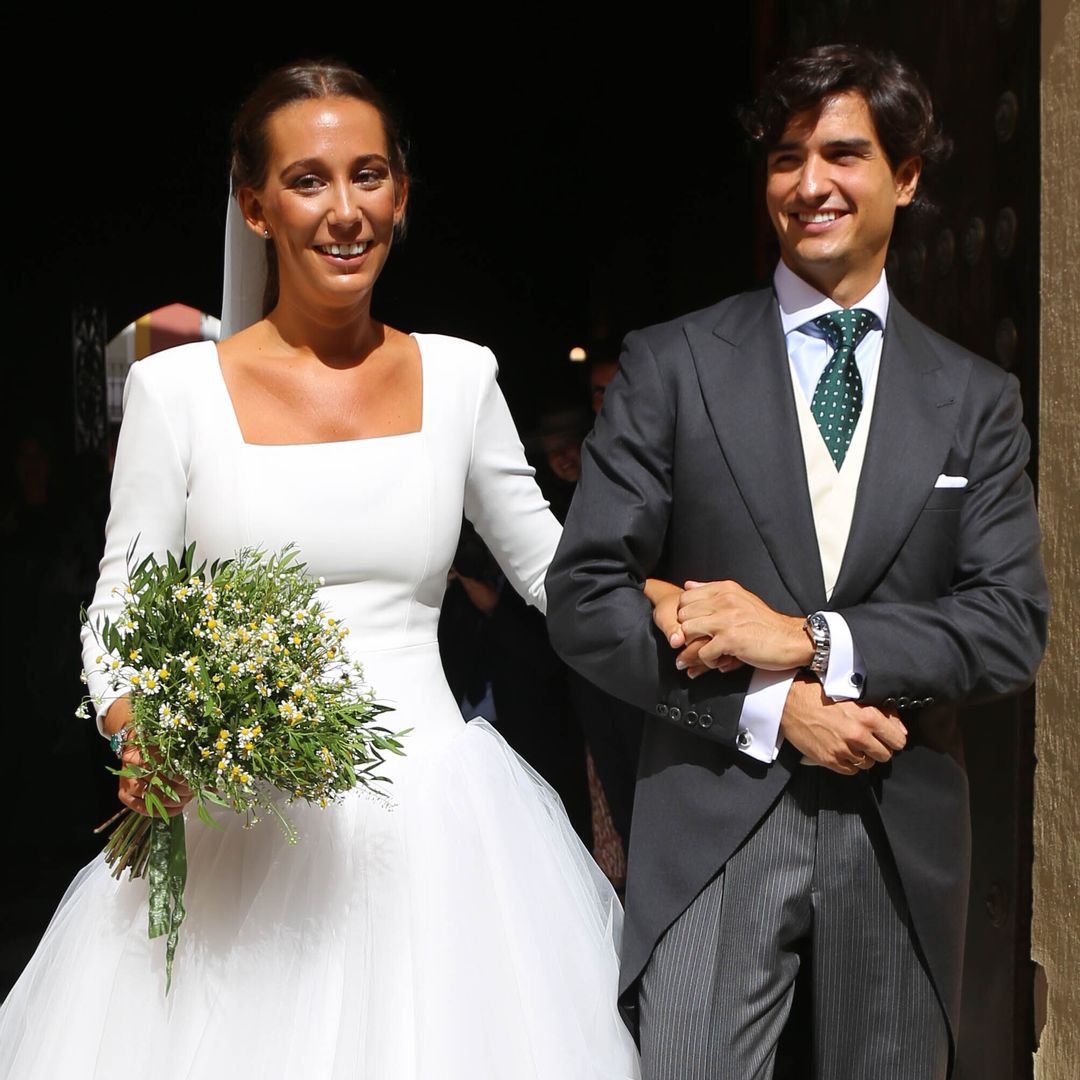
266, 234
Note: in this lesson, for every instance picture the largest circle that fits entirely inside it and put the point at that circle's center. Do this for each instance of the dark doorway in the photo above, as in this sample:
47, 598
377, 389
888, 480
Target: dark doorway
573, 182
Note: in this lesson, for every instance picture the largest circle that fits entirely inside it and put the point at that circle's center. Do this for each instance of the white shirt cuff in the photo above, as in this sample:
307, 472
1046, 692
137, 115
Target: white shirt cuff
845, 675
763, 706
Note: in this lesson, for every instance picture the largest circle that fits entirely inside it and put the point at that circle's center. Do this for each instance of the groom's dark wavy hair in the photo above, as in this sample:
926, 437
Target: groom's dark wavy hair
898, 100
304, 80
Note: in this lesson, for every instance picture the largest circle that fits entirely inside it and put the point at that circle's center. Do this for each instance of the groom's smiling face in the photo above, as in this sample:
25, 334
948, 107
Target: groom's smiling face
832, 195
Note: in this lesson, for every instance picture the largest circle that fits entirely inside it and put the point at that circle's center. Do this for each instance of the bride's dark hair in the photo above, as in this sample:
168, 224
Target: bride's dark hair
303, 80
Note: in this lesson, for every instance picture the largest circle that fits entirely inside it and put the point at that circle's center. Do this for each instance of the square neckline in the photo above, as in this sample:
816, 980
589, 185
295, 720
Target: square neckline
230, 408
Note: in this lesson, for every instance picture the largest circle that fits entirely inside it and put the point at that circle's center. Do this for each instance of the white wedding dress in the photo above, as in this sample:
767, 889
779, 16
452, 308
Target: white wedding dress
463, 932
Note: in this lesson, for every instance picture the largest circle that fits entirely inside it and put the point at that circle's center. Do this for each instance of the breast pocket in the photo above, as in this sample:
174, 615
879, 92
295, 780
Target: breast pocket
927, 557
945, 499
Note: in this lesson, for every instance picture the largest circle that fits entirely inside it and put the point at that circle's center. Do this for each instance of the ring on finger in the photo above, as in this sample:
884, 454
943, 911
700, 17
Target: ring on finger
859, 762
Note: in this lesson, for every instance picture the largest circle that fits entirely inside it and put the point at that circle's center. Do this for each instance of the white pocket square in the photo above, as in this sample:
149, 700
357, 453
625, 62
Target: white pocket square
944, 481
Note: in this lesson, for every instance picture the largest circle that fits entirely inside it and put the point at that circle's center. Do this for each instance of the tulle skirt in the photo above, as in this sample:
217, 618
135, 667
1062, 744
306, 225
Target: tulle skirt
461, 932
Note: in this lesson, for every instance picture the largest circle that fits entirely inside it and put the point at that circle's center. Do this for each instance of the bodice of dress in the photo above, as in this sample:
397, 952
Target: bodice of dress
377, 518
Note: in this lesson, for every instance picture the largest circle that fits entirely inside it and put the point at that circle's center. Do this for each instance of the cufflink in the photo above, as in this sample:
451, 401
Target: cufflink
744, 740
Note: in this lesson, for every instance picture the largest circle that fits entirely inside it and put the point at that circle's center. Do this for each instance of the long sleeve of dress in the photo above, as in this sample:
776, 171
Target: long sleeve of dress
502, 499
147, 511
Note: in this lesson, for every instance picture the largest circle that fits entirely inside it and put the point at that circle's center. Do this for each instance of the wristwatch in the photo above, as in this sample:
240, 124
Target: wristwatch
817, 627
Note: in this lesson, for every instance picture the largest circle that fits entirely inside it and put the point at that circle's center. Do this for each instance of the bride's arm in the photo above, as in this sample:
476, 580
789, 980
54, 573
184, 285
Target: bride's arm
505, 504
502, 499
147, 513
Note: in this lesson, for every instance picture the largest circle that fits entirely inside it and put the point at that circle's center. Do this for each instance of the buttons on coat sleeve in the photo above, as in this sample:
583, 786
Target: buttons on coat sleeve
744, 740
903, 702
889, 703
692, 718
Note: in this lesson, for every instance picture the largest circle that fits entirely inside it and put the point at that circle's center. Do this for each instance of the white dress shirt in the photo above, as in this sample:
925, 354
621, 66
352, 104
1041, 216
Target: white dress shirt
809, 353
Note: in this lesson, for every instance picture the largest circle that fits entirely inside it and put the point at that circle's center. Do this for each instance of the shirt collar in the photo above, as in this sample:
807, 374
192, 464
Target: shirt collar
800, 302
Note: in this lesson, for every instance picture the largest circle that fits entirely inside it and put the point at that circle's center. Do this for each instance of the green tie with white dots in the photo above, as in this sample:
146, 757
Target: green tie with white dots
838, 395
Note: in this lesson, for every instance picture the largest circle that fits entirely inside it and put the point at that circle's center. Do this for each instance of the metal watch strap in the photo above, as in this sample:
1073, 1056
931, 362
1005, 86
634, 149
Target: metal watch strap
817, 627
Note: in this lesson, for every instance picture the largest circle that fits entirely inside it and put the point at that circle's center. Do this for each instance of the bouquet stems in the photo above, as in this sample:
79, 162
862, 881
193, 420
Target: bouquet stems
154, 848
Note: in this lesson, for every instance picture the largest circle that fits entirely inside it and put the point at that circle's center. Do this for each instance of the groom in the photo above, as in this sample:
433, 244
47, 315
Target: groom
847, 491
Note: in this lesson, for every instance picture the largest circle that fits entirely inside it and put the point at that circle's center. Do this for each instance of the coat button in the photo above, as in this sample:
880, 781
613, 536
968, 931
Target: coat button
928, 701
705, 720
691, 717
675, 713
903, 702
744, 740
889, 703
661, 709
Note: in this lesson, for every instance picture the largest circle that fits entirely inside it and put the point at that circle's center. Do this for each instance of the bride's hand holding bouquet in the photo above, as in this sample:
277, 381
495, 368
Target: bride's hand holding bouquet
236, 692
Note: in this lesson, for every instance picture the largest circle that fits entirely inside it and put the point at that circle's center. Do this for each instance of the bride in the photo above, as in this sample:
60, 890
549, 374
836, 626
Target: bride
461, 930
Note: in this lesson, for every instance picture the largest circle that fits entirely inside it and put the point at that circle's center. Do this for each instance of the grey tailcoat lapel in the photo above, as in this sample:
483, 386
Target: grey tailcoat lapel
916, 407
743, 372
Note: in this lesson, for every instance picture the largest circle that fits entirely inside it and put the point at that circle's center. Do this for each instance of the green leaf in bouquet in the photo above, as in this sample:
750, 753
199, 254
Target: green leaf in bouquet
205, 816
165, 789
154, 805
167, 875
130, 770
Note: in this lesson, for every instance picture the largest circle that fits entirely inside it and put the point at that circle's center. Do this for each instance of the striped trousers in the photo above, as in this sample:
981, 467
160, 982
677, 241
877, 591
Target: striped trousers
815, 875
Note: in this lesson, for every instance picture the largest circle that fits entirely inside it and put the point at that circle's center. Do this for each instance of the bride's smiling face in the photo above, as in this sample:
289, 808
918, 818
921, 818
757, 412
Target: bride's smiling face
330, 200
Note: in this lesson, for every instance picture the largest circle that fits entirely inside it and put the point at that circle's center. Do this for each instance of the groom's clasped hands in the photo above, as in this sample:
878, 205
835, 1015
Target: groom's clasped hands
720, 625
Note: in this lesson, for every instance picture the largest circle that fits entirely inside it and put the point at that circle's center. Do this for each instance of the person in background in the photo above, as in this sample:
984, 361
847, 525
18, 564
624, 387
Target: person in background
500, 665
601, 371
